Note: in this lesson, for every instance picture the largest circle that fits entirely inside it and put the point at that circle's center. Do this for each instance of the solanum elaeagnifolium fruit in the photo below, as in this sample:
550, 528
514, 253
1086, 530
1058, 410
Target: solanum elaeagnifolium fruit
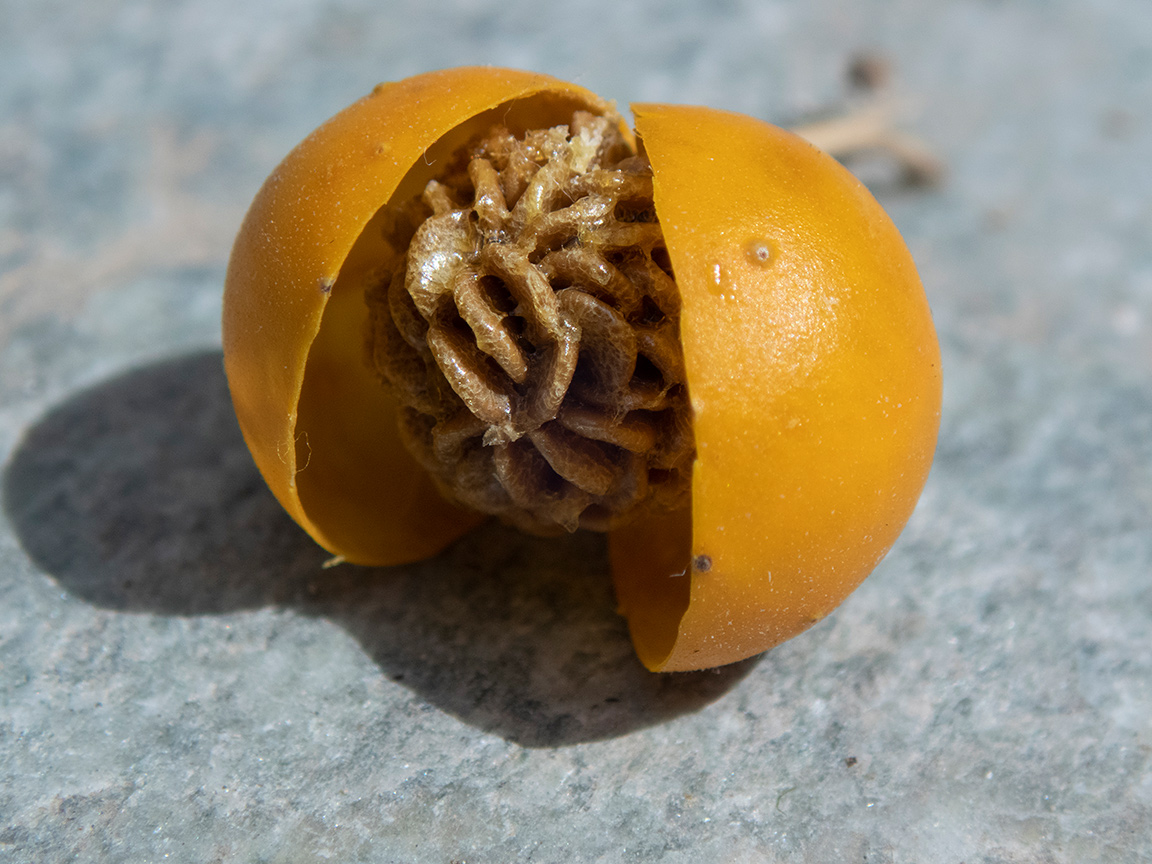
477, 293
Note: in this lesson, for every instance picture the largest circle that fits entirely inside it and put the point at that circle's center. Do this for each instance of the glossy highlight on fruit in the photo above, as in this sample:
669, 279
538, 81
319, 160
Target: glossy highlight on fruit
811, 365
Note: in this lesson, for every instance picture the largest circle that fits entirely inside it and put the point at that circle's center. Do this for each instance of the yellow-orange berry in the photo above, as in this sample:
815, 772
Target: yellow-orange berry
474, 291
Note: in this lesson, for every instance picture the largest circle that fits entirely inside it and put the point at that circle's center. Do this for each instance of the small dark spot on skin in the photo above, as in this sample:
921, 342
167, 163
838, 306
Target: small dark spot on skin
850, 761
702, 563
759, 252
326, 285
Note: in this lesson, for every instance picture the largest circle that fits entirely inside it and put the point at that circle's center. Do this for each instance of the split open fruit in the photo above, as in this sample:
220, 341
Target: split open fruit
476, 292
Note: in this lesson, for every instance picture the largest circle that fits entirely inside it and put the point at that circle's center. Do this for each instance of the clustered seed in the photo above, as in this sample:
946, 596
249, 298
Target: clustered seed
529, 326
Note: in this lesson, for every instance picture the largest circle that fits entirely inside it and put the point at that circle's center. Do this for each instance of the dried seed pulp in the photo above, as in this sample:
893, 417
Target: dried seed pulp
528, 323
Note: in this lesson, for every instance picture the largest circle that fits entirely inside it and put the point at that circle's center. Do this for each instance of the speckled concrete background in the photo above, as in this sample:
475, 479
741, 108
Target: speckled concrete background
179, 679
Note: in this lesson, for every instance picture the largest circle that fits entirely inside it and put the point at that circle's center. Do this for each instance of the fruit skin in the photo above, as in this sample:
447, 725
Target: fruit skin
812, 363
319, 426
814, 374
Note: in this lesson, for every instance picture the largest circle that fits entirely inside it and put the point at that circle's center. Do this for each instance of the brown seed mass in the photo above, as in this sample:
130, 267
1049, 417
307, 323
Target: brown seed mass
529, 326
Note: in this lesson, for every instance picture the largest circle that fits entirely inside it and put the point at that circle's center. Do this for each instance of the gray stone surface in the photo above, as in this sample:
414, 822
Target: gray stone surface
180, 680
